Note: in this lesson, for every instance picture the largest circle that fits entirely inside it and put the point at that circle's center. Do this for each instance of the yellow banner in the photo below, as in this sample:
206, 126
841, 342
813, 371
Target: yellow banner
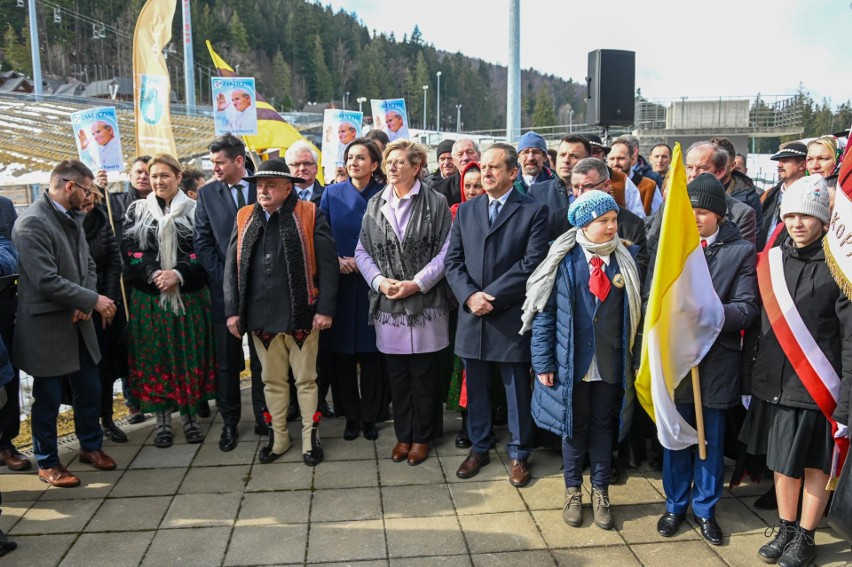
151, 84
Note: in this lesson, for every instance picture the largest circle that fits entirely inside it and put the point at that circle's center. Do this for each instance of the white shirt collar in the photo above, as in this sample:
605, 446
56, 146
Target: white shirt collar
604, 257
502, 199
713, 237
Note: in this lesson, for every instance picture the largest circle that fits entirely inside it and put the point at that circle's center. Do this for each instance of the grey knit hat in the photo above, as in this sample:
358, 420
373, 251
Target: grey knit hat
807, 196
707, 192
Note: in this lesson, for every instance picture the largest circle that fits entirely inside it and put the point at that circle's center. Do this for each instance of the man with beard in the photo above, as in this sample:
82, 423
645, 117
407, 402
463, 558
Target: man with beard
792, 166
532, 156
446, 167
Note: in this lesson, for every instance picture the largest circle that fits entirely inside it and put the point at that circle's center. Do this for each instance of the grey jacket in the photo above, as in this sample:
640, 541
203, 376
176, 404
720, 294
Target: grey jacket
57, 276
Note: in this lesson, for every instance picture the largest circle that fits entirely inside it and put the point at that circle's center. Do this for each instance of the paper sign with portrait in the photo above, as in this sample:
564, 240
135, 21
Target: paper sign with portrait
234, 106
97, 138
339, 128
390, 117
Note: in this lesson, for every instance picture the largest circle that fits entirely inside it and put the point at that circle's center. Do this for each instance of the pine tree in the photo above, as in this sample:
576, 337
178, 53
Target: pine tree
16, 51
281, 81
238, 35
544, 114
320, 87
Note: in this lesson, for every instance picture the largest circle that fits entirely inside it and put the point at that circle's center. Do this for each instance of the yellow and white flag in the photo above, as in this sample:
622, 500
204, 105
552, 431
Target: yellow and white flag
684, 314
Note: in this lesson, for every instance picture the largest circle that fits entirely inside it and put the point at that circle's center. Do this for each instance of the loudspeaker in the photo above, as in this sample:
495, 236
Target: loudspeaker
611, 83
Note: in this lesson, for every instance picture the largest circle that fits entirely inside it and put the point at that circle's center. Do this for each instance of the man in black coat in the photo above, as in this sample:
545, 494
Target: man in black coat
497, 240
215, 213
556, 193
465, 151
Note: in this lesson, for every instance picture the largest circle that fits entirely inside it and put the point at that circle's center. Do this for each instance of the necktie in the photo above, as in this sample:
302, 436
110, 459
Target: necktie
495, 210
241, 200
598, 282
704, 243
304, 195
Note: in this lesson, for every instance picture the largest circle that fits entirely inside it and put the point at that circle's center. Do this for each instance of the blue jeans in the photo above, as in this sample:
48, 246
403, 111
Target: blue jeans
47, 392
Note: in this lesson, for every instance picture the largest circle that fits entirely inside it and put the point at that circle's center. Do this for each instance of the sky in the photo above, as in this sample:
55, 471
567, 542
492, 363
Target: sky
724, 48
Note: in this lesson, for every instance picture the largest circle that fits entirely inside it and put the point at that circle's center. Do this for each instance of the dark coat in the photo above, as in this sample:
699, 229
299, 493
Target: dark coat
771, 206
739, 214
732, 264
215, 215
497, 260
119, 203
8, 215
741, 188
8, 266
557, 197
103, 247
450, 188
57, 277
544, 175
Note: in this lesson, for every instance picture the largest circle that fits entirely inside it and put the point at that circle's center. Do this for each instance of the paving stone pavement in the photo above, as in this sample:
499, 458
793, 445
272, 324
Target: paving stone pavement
194, 505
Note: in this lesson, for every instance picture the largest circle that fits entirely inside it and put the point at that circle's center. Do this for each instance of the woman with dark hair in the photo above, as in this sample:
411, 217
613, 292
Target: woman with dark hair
172, 357
351, 342
400, 254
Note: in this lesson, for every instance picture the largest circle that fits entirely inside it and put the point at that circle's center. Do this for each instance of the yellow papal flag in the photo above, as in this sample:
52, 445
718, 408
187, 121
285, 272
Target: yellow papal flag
684, 314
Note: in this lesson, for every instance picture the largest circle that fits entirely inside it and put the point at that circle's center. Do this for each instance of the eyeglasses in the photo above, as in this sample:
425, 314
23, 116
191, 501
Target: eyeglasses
299, 164
583, 188
397, 163
86, 190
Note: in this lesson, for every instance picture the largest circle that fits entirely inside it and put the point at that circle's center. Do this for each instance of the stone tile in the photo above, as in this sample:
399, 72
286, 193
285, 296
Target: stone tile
545, 463
148, 483
221, 480
495, 470
178, 455
108, 550
399, 474
42, 549
419, 537
656, 480
559, 534
675, 554
12, 512
22, 486
281, 476
749, 491
245, 429
122, 454
598, 556
734, 517
476, 497
346, 541
741, 550
360, 449
374, 563
417, 500
209, 454
56, 517
512, 531
137, 434
544, 493
273, 508
432, 561
447, 447
636, 489
346, 475
330, 428
93, 484
267, 545
129, 514
513, 558
197, 546
832, 550
202, 510
348, 504
638, 524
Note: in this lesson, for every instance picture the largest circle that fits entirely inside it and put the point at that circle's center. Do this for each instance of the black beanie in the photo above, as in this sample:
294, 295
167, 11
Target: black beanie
444, 147
707, 192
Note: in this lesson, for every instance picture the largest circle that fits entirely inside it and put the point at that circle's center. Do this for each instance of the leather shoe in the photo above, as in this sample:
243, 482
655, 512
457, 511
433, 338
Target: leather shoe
400, 452
370, 431
97, 459
266, 455
462, 440
471, 465
313, 457
710, 530
669, 523
351, 431
14, 460
136, 416
519, 475
418, 453
261, 429
228, 439
58, 476
112, 431
324, 409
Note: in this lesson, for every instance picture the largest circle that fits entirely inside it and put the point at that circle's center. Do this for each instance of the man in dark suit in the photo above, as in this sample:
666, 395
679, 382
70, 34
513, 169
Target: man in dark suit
556, 193
465, 151
497, 240
56, 297
215, 214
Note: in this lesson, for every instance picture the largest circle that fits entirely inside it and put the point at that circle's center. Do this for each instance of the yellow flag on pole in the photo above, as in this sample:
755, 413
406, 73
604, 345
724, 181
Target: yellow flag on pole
684, 314
151, 84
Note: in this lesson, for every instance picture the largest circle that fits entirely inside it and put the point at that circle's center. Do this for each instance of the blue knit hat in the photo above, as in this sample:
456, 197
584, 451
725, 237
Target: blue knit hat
532, 140
589, 206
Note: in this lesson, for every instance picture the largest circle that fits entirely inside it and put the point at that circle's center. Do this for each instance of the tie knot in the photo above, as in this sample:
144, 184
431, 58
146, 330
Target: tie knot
704, 243
596, 261
304, 194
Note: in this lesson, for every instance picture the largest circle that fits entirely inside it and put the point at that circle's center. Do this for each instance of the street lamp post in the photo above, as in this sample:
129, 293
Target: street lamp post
425, 95
458, 118
571, 121
361, 100
438, 105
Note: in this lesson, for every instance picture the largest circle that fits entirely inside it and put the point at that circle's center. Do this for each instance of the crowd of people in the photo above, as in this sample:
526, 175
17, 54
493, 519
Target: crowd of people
509, 284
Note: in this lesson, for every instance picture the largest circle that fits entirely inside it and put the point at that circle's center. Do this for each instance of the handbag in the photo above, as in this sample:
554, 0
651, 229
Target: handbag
840, 514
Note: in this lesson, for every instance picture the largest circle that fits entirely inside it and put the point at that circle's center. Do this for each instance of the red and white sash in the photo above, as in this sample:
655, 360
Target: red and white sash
807, 358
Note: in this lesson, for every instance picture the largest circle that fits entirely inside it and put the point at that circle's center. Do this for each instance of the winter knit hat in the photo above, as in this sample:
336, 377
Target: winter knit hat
707, 192
446, 146
532, 140
589, 206
807, 196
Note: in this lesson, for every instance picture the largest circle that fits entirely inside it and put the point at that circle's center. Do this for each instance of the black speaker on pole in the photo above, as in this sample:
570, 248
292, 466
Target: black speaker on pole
611, 83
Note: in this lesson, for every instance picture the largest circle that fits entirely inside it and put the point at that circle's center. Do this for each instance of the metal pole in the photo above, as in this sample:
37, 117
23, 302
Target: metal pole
513, 91
438, 111
425, 95
188, 61
37, 88
458, 117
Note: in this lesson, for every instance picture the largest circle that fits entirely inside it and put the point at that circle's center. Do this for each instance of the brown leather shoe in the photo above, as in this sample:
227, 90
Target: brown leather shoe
520, 474
58, 476
418, 453
471, 465
14, 460
97, 459
400, 452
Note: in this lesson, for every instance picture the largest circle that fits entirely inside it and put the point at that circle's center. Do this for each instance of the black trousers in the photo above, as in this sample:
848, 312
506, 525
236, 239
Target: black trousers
414, 393
358, 403
593, 406
231, 361
10, 413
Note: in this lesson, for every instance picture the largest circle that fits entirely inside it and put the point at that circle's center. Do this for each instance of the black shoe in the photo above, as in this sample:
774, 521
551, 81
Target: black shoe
136, 416
462, 440
324, 409
669, 523
261, 429
370, 431
112, 431
710, 530
228, 439
768, 501
266, 456
292, 412
801, 551
314, 457
786, 533
351, 431
203, 408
